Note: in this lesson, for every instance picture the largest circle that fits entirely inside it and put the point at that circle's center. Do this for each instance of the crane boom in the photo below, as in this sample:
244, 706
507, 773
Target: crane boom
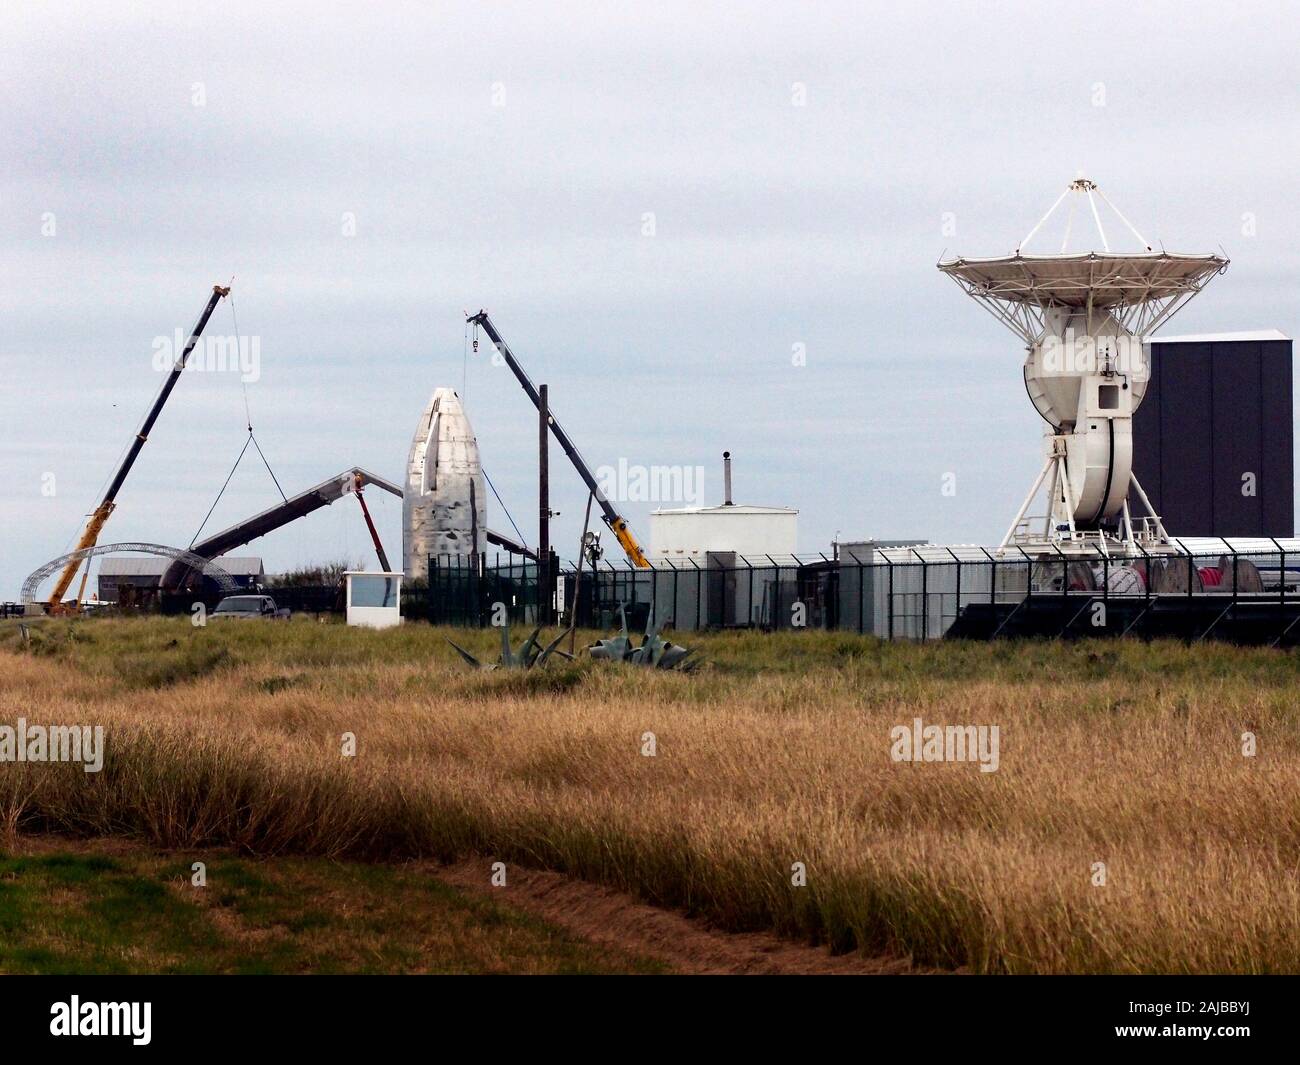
105, 508
616, 522
374, 533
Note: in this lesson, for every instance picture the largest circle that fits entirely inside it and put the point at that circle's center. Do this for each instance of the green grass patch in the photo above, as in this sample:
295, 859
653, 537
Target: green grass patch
74, 912
157, 652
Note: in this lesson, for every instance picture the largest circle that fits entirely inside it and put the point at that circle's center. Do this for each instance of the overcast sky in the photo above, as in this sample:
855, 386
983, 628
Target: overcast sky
799, 162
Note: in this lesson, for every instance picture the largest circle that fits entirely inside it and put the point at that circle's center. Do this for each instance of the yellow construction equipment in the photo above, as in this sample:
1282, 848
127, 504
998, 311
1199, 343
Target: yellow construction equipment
96, 523
616, 522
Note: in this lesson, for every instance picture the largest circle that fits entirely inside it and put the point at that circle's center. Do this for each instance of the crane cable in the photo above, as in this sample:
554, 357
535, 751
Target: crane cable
222, 492
248, 419
503, 505
465, 387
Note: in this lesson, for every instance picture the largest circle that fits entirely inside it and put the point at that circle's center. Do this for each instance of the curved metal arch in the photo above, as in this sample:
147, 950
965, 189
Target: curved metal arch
225, 582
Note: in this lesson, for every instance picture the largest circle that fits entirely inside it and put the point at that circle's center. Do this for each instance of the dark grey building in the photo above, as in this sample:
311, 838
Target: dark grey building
142, 574
1213, 438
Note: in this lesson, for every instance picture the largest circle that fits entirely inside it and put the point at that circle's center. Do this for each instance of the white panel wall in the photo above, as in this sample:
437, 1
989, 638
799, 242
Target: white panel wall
749, 531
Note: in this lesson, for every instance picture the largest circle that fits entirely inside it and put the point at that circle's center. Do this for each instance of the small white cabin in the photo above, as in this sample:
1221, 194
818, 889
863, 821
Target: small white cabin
374, 600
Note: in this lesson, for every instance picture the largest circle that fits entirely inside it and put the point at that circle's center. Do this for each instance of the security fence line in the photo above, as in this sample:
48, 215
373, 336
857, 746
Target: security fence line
1201, 589
1242, 590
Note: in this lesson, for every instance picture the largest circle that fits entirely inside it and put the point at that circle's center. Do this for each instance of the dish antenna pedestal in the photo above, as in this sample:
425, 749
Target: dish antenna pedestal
1085, 319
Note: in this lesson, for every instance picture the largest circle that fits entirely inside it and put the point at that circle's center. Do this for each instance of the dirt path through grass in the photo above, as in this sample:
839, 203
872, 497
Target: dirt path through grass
612, 919
114, 905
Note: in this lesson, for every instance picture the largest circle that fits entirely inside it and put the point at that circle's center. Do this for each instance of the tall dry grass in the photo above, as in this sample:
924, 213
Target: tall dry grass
777, 752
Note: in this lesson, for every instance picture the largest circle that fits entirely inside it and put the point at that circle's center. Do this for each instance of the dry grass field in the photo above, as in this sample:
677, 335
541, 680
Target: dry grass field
777, 751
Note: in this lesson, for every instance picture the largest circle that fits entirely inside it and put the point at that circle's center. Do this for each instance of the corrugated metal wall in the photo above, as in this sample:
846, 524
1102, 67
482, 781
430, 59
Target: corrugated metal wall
1215, 411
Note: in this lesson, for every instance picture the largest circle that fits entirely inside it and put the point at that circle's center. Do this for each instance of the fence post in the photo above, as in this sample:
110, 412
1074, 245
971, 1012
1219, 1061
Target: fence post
776, 593
1234, 576
1029, 572
698, 596
956, 602
956, 605
891, 593
925, 596
749, 599
1281, 570
1281, 588
674, 566
862, 593
993, 577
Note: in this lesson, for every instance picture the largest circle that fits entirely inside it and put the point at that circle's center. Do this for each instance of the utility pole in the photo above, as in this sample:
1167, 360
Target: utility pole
543, 509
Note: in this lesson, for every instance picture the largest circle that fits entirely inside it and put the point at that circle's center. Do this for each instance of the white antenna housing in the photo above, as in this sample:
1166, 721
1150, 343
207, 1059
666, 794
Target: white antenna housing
1084, 318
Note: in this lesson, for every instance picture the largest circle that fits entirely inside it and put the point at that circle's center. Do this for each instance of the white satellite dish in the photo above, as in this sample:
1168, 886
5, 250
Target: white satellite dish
1084, 318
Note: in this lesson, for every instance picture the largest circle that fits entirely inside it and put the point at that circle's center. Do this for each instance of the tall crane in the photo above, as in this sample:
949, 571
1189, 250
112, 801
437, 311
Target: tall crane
105, 508
617, 523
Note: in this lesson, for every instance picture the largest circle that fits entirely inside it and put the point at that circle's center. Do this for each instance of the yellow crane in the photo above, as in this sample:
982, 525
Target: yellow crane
616, 522
96, 523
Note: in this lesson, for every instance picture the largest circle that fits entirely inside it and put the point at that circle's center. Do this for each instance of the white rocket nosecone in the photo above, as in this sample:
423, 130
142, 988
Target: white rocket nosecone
443, 474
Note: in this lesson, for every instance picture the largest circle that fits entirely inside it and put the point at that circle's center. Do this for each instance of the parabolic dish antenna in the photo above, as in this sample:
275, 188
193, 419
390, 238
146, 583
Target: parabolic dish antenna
1084, 318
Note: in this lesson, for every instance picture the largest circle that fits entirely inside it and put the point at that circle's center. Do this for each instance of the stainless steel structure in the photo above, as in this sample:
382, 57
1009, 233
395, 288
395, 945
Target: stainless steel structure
444, 507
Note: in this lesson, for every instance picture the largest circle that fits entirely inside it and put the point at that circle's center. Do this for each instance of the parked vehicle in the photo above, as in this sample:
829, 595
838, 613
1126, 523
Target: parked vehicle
246, 607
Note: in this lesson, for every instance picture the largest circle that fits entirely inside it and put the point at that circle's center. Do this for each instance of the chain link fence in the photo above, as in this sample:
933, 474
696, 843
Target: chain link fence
1197, 589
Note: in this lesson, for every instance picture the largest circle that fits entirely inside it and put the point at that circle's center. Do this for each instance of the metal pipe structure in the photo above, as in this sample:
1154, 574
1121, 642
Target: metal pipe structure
299, 506
609, 515
105, 508
726, 479
296, 506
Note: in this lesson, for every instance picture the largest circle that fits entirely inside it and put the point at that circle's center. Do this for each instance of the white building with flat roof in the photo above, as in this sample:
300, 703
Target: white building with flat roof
693, 532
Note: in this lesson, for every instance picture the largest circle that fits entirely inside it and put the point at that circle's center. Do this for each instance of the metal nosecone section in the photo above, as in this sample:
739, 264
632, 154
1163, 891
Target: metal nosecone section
444, 507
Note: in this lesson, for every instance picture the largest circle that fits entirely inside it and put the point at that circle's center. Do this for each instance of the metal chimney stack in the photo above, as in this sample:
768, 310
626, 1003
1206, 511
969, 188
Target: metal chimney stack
726, 478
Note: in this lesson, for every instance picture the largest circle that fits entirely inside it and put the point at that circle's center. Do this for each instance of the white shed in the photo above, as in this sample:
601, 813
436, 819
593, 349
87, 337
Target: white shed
374, 599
